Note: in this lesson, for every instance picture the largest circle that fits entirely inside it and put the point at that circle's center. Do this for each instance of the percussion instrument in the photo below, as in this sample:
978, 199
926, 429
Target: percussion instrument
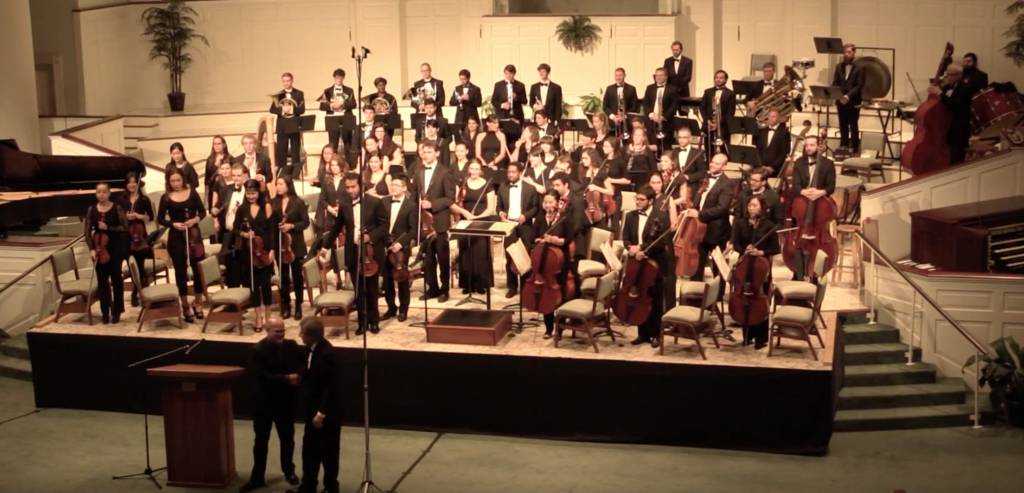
877, 77
847, 198
994, 108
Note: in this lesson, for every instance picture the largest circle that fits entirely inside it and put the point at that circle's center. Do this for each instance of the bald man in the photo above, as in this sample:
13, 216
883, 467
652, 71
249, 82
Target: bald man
712, 208
956, 96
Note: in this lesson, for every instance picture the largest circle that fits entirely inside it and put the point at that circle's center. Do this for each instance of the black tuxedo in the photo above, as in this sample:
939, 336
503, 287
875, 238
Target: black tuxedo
629, 99
442, 127
529, 207
373, 222
553, 105
773, 154
403, 231
681, 79
334, 135
466, 109
322, 379
500, 96
440, 191
849, 114
695, 163
657, 250
438, 93
715, 214
707, 109
771, 197
273, 401
669, 106
824, 175
288, 145
356, 140
957, 99
976, 81
297, 214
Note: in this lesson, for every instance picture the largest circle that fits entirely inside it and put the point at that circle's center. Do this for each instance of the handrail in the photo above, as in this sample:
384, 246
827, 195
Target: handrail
41, 262
977, 346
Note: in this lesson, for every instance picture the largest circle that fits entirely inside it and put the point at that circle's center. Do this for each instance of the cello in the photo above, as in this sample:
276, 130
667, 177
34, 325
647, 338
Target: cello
928, 151
542, 293
688, 237
812, 231
632, 302
748, 303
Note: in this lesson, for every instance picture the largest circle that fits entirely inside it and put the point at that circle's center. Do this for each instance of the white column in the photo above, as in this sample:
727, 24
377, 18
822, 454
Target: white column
19, 113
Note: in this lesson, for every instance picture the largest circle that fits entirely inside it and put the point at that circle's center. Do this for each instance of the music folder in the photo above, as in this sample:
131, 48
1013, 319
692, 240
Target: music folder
832, 46
744, 155
392, 120
294, 125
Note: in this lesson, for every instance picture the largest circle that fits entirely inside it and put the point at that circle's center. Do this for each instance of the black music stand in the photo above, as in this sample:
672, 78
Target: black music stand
510, 126
830, 46
576, 126
746, 125
830, 94
292, 126
345, 123
744, 155
455, 132
690, 123
393, 120
743, 87
419, 119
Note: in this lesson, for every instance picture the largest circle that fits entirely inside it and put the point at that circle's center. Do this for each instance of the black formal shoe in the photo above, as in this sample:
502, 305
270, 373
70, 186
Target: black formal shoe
429, 296
481, 291
547, 335
360, 330
135, 299
388, 315
465, 290
655, 343
106, 319
760, 345
512, 293
403, 316
639, 340
374, 329
443, 298
292, 479
298, 312
286, 312
197, 309
187, 316
252, 486
115, 318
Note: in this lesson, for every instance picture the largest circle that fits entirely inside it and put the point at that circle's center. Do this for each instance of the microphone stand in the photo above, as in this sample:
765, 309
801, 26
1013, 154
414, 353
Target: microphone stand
367, 485
149, 472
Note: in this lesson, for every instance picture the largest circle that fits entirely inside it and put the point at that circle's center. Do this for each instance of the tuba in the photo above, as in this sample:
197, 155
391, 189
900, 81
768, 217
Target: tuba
781, 97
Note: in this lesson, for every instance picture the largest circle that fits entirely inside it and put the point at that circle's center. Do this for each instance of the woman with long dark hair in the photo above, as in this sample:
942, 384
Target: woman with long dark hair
469, 133
105, 223
218, 155
138, 210
292, 218
258, 230
375, 177
476, 270
332, 191
180, 210
491, 146
387, 145
746, 232
180, 162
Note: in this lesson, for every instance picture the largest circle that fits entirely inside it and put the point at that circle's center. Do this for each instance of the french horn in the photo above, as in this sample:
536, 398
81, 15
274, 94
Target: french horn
285, 102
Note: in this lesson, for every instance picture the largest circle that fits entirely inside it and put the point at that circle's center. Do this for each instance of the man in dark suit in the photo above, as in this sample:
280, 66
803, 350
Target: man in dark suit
509, 96
956, 97
432, 133
620, 97
642, 237
256, 165
547, 128
692, 162
575, 214
519, 203
467, 98
726, 99
223, 212
402, 231
814, 177
758, 181
363, 217
850, 80
757, 90
338, 100
546, 95
436, 86
434, 187
712, 209
321, 439
274, 364
680, 70
661, 101
289, 103
356, 147
430, 112
772, 142
974, 78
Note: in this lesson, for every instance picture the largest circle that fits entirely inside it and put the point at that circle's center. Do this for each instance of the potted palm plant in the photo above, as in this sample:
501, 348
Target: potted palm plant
592, 103
1014, 50
171, 29
1005, 377
578, 34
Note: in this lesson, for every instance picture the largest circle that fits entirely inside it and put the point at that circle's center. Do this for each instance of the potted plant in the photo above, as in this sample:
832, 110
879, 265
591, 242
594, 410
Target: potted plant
578, 34
486, 108
592, 103
171, 30
1014, 50
1005, 376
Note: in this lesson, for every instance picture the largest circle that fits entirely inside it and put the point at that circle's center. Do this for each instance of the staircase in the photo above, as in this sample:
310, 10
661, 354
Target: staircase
882, 393
14, 360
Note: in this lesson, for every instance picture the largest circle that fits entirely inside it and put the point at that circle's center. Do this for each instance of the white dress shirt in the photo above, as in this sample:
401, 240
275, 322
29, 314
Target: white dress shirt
771, 134
657, 100
515, 200
544, 92
396, 205
675, 64
812, 166
712, 179
237, 196
309, 359
718, 95
683, 157
428, 174
357, 220
642, 217
511, 93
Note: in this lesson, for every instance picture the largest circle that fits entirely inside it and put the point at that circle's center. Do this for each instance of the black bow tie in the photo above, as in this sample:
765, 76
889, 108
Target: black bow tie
661, 86
715, 177
767, 82
238, 189
642, 213
355, 203
718, 88
543, 84
620, 86
677, 59
428, 168
514, 185
397, 203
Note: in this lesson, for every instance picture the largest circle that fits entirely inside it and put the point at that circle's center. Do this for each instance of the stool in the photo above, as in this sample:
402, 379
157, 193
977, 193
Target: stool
845, 231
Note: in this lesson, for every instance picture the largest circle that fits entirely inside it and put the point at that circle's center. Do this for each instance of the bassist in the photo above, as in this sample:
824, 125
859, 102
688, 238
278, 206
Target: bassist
814, 177
643, 239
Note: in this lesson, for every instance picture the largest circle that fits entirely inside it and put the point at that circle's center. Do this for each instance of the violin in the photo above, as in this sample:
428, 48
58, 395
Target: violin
369, 266
258, 255
398, 260
542, 293
101, 242
194, 237
748, 302
137, 232
460, 199
284, 240
426, 222
812, 234
688, 236
928, 150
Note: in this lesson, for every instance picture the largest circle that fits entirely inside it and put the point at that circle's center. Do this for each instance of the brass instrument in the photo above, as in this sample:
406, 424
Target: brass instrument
339, 98
419, 95
620, 126
717, 118
780, 97
380, 105
284, 101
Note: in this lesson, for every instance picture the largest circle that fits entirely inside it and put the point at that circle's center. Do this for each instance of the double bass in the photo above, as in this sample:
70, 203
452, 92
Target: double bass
785, 183
748, 303
542, 292
632, 302
928, 151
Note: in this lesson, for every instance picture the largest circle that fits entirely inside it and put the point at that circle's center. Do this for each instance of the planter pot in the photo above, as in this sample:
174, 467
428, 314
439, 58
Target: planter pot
177, 101
1014, 412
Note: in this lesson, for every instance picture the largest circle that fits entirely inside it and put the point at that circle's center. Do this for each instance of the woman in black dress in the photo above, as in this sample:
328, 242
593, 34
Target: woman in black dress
617, 176
258, 230
557, 236
332, 192
475, 200
292, 217
536, 174
468, 135
180, 162
547, 146
106, 223
599, 122
375, 177
491, 147
639, 158
138, 210
746, 232
387, 146
218, 155
180, 210
525, 144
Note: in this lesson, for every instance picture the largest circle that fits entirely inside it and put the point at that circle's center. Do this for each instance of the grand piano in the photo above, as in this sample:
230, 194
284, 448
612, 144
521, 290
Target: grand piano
35, 188
986, 236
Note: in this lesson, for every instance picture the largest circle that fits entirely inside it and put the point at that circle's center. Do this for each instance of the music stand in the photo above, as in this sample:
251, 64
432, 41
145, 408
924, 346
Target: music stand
831, 94
455, 129
743, 87
393, 120
292, 126
746, 125
744, 155
488, 230
830, 46
690, 123
511, 126
576, 126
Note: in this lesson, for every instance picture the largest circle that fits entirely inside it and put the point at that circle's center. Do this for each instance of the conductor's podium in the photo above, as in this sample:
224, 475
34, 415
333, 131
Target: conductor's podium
198, 424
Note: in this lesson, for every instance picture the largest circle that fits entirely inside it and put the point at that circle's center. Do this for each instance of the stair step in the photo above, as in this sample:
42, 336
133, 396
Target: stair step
905, 418
16, 368
877, 354
944, 392
15, 347
869, 334
854, 318
889, 374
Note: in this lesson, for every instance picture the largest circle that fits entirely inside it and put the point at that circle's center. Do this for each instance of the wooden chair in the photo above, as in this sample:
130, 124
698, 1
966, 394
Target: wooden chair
581, 315
588, 268
236, 298
588, 286
344, 300
82, 291
798, 322
691, 322
159, 301
691, 293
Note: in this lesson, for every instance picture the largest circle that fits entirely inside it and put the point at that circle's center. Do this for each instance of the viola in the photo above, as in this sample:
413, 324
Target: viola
748, 302
632, 303
460, 199
542, 292
369, 266
426, 222
689, 234
194, 237
137, 232
398, 260
101, 242
284, 240
258, 254
928, 151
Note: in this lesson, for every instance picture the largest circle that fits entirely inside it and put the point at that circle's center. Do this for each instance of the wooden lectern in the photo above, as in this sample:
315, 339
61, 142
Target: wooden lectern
198, 424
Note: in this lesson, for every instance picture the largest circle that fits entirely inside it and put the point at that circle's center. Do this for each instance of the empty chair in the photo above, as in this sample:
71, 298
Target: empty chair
588, 268
158, 301
235, 298
589, 286
798, 322
82, 291
691, 322
871, 166
343, 300
581, 315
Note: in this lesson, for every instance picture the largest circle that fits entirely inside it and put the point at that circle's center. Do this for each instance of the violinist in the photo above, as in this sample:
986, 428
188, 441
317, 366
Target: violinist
477, 201
757, 178
326, 156
468, 135
599, 124
588, 140
640, 160
180, 210
956, 97
218, 155
402, 229
850, 79
462, 162
363, 217
814, 177
595, 178
689, 157
711, 206
226, 205
746, 231
432, 133
180, 162
517, 202
138, 211
673, 183
256, 226
434, 187
105, 225
257, 166
332, 191
467, 99
558, 236
657, 184
548, 146
387, 146
221, 183
292, 217
375, 177
643, 230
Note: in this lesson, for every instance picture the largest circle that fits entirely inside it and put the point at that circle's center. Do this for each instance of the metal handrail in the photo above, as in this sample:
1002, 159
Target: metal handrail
41, 262
977, 346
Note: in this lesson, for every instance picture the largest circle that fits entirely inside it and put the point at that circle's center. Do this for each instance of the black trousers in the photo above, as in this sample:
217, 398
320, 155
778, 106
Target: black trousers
759, 332
261, 294
321, 447
371, 287
110, 286
651, 328
288, 146
849, 126
437, 255
278, 411
389, 292
958, 152
176, 249
291, 280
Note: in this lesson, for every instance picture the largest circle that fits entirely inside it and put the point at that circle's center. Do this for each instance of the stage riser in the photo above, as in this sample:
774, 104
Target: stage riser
556, 398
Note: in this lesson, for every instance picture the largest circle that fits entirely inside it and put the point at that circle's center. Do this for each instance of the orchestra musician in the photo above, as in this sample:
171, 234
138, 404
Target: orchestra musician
575, 219
138, 210
403, 226
726, 100
757, 179
224, 210
375, 177
595, 177
468, 135
434, 187
221, 183
658, 185
745, 232
371, 146
661, 100
599, 124
478, 202
180, 208
548, 145
620, 98
492, 144
615, 167
974, 78
509, 96
773, 142
546, 95
255, 219
381, 85
180, 163
363, 131
364, 217
517, 203
527, 141
292, 217
431, 114
257, 166
711, 203
643, 230
546, 127
106, 222
218, 154
672, 186
956, 97
559, 236
679, 70
686, 154
431, 85
337, 99
640, 160
460, 167
535, 173
467, 98
767, 83
326, 156
432, 133
332, 191
288, 145
850, 80
387, 146
814, 177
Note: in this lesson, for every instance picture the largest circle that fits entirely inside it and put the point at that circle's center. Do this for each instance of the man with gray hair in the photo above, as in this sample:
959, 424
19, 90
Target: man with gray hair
956, 97
321, 439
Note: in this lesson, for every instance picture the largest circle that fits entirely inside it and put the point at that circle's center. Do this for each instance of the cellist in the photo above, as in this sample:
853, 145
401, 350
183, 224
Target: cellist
745, 232
558, 236
814, 177
642, 230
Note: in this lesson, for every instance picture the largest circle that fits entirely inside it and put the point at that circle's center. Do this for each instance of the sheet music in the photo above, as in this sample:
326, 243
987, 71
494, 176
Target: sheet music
723, 265
520, 257
609, 255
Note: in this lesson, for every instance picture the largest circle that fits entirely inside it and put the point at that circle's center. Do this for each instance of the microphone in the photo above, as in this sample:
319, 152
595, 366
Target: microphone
200, 341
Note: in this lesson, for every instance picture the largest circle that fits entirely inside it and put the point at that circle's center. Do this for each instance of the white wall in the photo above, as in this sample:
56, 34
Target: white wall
53, 35
18, 111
